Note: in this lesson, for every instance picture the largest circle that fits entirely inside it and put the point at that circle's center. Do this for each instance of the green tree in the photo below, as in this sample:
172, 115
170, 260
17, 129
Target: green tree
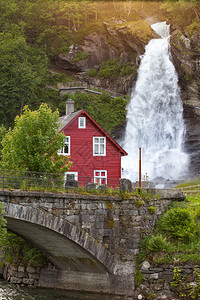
2, 134
8, 11
23, 72
34, 142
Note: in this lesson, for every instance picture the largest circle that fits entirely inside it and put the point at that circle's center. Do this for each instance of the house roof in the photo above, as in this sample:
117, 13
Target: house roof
65, 121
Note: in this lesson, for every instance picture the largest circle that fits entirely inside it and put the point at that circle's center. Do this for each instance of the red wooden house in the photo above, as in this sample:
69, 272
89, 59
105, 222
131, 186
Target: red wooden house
95, 155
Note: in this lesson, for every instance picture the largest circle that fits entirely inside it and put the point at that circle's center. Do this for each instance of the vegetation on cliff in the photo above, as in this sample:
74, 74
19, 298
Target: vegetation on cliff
176, 239
33, 34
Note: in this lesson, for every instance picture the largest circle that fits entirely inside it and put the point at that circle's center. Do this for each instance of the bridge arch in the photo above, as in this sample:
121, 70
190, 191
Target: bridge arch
75, 249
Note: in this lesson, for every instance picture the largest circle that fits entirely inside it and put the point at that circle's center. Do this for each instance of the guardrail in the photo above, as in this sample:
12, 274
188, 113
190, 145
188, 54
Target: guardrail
87, 88
26, 180
69, 85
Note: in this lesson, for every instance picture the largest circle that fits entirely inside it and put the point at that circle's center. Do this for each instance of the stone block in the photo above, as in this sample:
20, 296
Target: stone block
33, 276
145, 265
154, 276
31, 270
168, 277
90, 187
15, 280
126, 185
156, 286
18, 274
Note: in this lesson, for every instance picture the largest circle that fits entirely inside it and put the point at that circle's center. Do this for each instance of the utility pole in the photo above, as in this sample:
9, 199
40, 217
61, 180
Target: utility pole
140, 169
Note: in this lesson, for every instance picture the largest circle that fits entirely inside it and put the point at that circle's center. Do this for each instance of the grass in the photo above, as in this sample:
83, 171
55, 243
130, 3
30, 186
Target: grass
175, 241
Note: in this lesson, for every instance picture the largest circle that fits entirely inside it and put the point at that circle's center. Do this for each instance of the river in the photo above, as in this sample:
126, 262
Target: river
15, 292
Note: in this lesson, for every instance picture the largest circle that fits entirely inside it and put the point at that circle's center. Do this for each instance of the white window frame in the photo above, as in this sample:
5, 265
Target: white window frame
100, 177
98, 145
84, 122
62, 150
71, 173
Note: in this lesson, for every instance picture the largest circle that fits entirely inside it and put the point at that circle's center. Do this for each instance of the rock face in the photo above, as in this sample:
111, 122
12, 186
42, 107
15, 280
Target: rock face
119, 43
111, 44
186, 57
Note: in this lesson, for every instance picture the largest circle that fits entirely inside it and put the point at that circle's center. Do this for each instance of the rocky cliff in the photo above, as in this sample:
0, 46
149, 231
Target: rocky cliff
118, 42
126, 44
185, 49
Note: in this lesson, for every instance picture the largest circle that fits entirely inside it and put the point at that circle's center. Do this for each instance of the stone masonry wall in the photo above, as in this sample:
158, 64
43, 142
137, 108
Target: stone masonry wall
157, 282
117, 223
22, 275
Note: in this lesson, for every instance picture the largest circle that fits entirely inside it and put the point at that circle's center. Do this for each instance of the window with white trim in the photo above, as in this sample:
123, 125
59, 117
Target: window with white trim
81, 122
99, 146
71, 176
100, 177
66, 149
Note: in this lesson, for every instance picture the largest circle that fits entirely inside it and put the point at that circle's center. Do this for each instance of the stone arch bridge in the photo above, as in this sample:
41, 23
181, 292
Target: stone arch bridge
91, 240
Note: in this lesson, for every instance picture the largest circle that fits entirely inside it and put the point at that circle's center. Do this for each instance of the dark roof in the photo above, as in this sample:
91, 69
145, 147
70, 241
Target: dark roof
66, 120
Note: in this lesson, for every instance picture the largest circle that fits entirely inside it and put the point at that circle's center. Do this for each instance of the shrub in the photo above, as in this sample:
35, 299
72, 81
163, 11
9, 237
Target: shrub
126, 70
178, 223
184, 289
152, 209
152, 244
113, 68
15, 250
106, 72
139, 277
92, 72
80, 55
139, 203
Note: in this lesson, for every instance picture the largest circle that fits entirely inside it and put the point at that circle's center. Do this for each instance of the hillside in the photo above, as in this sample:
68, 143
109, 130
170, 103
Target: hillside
99, 43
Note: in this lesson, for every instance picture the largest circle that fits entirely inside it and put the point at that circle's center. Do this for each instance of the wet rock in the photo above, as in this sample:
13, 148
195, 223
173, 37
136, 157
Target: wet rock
185, 51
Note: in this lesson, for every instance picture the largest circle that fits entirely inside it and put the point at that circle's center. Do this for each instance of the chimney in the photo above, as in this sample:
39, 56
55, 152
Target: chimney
69, 107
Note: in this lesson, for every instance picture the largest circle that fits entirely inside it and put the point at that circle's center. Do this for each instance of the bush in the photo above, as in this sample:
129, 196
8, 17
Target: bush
184, 288
16, 250
139, 277
178, 223
153, 244
113, 68
92, 72
80, 55
152, 209
127, 70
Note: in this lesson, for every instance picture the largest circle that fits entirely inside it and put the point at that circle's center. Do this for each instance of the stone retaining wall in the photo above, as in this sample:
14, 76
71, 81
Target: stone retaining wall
157, 283
22, 275
158, 280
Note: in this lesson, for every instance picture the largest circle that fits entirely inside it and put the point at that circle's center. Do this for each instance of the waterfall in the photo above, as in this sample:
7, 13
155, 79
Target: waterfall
154, 115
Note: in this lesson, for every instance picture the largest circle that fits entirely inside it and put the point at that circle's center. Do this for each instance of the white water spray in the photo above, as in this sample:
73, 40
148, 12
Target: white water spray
154, 115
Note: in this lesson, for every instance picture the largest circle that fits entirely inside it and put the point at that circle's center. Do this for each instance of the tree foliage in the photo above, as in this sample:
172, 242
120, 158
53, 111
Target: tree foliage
107, 111
34, 142
32, 32
183, 12
23, 72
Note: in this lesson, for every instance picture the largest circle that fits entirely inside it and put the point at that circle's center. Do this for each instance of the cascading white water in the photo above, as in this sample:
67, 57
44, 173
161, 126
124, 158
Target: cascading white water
154, 115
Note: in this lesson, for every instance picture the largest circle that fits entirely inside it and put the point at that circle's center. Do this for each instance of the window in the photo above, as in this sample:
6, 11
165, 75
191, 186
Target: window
100, 177
81, 122
99, 146
66, 149
71, 176
71, 180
